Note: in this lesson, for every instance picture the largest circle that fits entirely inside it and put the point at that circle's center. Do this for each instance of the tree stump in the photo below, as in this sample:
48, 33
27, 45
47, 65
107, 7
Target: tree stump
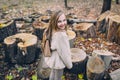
7, 28
79, 60
21, 48
71, 35
43, 71
95, 68
106, 56
39, 27
114, 29
86, 30
101, 21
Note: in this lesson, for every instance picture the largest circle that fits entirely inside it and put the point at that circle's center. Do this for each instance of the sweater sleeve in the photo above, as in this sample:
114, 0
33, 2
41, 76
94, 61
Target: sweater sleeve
64, 50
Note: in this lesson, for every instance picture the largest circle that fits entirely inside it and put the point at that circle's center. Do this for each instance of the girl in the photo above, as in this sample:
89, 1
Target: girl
61, 55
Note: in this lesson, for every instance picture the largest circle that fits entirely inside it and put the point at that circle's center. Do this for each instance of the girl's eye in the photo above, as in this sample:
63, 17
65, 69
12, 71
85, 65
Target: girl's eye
64, 20
59, 21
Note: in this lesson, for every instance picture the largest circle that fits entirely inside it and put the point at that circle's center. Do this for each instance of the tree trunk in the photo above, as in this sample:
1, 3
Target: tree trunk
8, 29
21, 48
117, 1
65, 2
106, 5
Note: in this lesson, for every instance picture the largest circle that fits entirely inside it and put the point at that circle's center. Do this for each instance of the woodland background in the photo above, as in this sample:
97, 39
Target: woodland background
83, 9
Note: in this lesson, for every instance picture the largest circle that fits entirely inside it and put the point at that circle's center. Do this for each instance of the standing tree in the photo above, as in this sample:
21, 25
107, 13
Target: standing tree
117, 1
106, 5
65, 2
66, 5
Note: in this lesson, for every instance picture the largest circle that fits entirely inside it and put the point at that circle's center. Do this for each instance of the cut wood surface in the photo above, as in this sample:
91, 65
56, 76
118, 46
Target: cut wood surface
77, 54
105, 15
86, 30
82, 26
40, 24
95, 67
39, 27
27, 39
79, 60
71, 34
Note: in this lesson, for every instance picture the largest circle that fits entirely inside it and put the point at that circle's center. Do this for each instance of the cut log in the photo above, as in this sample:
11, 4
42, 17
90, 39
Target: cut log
39, 27
86, 30
106, 56
95, 68
79, 60
114, 29
7, 28
21, 47
71, 35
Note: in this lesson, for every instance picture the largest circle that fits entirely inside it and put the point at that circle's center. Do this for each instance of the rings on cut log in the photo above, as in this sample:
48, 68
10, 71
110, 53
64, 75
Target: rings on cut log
79, 60
21, 47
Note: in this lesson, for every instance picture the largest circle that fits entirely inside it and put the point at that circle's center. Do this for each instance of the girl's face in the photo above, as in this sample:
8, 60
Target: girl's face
62, 22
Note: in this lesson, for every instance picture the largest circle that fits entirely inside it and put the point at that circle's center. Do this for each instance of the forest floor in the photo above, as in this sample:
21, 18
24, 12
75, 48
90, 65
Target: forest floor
83, 9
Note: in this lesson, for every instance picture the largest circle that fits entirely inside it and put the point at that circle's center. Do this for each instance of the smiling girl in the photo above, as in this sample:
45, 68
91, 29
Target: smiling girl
61, 55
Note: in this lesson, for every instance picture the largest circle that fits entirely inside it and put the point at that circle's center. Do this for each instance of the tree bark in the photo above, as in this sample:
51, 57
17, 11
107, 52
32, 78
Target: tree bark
7, 30
106, 5
114, 29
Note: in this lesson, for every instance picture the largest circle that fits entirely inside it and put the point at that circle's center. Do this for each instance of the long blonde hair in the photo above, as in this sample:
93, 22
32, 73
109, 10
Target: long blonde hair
53, 23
